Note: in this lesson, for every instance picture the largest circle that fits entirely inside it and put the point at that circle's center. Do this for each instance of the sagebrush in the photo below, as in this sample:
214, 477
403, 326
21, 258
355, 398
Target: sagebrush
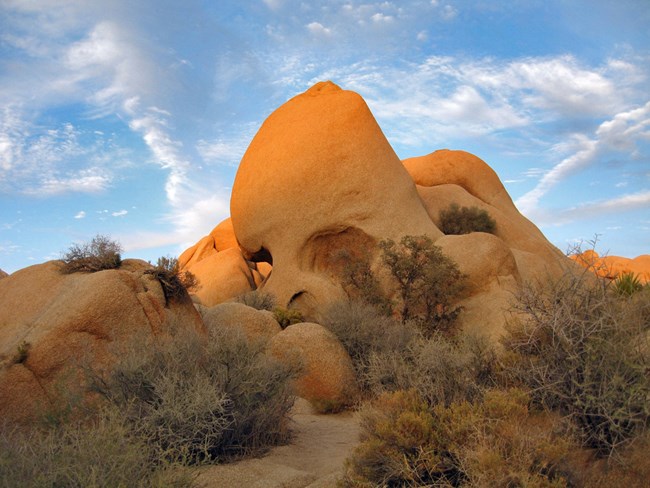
99, 254
457, 220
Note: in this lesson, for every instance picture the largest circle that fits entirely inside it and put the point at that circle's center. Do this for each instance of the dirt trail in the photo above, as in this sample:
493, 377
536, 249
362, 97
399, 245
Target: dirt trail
314, 459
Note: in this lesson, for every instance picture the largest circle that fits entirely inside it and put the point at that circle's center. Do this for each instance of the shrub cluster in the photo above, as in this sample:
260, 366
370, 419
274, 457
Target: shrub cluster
198, 400
582, 351
99, 254
627, 284
182, 400
389, 356
492, 442
175, 283
458, 220
287, 316
258, 299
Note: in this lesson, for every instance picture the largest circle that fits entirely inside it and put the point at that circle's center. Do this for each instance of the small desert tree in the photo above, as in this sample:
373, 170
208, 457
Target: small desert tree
428, 281
98, 254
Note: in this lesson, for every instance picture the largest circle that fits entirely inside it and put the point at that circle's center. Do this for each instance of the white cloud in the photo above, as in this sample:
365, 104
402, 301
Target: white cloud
585, 151
223, 151
597, 209
318, 29
448, 12
120, 213
273, 4
380, 18
80, 215
83, 182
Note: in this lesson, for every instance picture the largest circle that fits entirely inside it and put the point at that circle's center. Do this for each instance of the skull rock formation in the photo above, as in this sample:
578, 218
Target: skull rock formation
318, 178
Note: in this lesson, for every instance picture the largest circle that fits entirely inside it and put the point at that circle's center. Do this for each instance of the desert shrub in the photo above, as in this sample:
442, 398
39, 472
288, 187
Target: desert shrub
442, 370
583, 352
428, 281
258, 299
627, 284
287, 316
463, 220
99, 254
364, 331
194, 400
493, 442
94, 454
175, 283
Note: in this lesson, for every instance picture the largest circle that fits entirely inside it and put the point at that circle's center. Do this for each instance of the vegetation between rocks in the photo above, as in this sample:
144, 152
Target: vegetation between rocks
459, 220
182, 400
564, 403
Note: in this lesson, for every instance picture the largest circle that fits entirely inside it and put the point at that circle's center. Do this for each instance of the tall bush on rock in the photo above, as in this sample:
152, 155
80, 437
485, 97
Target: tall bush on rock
98, 254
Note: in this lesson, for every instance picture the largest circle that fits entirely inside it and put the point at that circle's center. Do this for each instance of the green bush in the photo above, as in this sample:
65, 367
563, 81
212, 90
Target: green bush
99, 254
360, 282
428, 282
582, 351
258, 299
287, 316
193, 400
175, 283
458, 220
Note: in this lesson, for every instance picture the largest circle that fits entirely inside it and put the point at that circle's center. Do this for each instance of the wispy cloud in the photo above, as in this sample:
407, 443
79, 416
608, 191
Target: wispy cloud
80, 215
120, 213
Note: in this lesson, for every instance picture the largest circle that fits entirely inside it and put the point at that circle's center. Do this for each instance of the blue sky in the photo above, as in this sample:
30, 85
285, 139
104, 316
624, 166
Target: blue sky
129, 118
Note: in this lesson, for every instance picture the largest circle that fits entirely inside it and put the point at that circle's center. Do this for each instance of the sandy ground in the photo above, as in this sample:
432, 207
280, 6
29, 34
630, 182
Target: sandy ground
314, 459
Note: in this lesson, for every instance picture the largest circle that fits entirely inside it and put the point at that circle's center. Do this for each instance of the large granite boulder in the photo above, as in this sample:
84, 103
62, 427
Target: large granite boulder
53, 324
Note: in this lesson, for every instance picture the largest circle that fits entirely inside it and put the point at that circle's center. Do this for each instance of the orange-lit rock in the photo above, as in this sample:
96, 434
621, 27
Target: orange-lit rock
327, 379
50, 323
255, 324
613, 266
319, 177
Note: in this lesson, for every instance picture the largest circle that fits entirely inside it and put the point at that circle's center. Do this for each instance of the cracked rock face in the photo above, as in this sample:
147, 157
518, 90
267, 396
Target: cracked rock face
52, 322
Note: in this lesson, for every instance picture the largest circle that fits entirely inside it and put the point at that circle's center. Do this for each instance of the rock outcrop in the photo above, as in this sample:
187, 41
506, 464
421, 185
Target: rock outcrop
319, 180
53, 323
327, 377
220, 267
255, 324
3, 274
612, 267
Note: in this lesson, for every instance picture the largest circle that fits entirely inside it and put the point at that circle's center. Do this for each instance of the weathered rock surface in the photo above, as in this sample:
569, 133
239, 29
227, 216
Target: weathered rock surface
256, 324
50, 322
220, 267
315, 180
320, 178
327, 379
